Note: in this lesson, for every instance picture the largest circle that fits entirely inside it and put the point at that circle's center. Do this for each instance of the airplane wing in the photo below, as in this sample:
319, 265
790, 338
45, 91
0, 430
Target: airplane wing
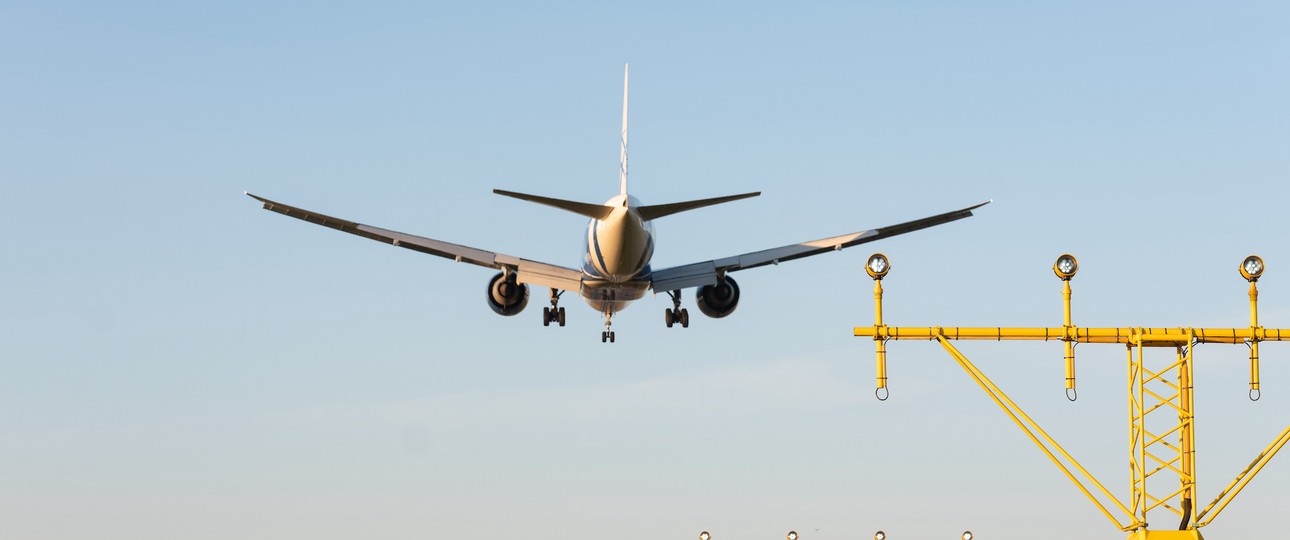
536, 273
707, 272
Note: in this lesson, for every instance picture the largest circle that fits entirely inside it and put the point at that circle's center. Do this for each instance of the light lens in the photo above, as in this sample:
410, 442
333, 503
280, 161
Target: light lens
792, 535
704, 535
880, 535
1252, 267
967, 535
878, 266
1066, 266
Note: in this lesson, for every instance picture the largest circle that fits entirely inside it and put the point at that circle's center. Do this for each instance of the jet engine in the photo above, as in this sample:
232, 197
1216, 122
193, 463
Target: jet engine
718, 300
506, 296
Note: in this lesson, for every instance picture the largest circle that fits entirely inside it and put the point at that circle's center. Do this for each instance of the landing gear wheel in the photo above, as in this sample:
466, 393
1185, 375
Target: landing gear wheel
611, 337
546, 316
560, 317
676, 313
668, 317
604, 337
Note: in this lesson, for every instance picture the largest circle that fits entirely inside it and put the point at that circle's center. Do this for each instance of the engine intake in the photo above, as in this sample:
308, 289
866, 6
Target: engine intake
718, 300
506, 296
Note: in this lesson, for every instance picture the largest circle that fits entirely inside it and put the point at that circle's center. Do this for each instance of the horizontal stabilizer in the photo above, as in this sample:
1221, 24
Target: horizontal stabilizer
593, 211
659, 210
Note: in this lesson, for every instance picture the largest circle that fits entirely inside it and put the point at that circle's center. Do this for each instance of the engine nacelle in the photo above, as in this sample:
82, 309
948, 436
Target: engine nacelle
718, 300
507, 296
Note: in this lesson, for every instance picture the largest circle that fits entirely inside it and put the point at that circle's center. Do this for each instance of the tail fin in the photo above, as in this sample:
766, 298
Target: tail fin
622, 161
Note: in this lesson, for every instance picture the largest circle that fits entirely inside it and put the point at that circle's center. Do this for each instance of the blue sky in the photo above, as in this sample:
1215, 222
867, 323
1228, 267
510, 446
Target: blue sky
177, 362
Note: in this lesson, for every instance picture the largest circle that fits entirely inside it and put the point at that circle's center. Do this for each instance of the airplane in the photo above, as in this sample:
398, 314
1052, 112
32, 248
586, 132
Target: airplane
619, 245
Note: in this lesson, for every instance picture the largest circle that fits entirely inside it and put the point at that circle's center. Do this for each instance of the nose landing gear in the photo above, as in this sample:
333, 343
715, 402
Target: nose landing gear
608, 335
676, 313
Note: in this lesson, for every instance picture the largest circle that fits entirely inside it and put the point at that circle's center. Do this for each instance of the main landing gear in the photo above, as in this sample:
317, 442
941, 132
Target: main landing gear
676, 314
555, 313
608, 335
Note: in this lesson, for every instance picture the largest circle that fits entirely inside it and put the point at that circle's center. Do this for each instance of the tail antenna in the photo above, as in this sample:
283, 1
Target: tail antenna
622, 171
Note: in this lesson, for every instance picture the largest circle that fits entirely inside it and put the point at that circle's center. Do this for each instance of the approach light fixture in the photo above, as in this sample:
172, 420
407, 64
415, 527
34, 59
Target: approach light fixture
792, 535
967, 535
1252, 268
880, 535
704, 535
1065, 268
878, 266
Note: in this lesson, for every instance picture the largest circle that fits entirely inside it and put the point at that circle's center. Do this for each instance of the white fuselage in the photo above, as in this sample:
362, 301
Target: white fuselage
616, 256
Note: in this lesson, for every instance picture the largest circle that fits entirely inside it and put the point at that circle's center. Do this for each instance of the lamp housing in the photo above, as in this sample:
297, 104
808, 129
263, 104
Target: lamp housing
1065, 268
877, 266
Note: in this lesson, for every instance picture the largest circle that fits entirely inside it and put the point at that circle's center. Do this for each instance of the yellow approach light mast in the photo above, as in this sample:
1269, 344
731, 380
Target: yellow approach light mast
1158, 389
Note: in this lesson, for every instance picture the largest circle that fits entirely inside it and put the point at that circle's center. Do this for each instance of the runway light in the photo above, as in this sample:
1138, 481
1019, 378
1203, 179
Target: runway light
792, 535
704, 535
880, 535
1252, 268
878, 266
967, 535
1065, 268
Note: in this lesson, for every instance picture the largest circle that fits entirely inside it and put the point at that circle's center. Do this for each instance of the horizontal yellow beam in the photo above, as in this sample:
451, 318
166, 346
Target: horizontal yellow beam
1164, 337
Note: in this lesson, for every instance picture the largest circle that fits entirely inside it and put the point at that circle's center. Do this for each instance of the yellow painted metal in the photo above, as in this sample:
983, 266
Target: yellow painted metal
1159, 392
880, 344
1254, 344
1144, 534
1149, 337
1070, 344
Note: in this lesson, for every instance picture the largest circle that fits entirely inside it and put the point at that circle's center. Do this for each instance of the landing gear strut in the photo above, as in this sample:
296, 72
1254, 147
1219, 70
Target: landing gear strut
608, 335
676, 313
555, 313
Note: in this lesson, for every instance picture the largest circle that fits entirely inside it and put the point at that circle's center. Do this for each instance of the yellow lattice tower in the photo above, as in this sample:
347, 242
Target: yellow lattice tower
1158, 391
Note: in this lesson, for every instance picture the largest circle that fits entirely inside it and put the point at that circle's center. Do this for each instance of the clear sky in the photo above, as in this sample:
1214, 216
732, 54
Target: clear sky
177, 363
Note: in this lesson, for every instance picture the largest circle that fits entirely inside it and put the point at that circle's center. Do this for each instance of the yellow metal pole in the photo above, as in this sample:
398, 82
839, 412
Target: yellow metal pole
1142, 432
1135, 467
1069, 341
1254, 342
1186, 419
880, 343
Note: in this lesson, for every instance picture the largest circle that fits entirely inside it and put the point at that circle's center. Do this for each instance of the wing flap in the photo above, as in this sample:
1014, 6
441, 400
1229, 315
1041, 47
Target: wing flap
543, 274
684, 277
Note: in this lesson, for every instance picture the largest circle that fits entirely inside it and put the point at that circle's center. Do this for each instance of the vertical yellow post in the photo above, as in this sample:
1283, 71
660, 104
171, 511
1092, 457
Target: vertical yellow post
1187, 436
1141, 419
1135, 467
1254, 340
880, 345
1069, 339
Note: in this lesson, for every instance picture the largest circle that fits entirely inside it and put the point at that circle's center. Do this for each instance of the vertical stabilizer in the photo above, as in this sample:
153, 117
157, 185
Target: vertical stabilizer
622, 160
